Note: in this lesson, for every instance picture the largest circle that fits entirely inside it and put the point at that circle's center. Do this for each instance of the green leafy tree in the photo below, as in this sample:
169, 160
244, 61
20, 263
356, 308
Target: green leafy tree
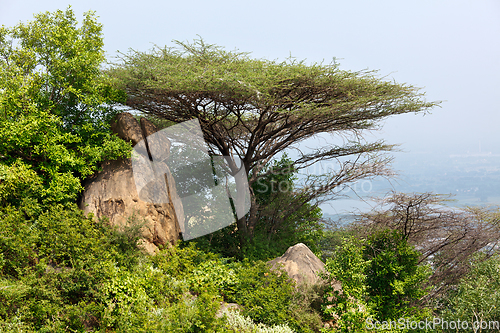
255, 109
380, 277
54, 108
395, 279
284, 219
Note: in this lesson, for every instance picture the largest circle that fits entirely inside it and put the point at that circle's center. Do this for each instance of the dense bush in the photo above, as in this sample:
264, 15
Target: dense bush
269, 297
381, 280
264, 294
394, 277
72, 273
53, 264
477, 297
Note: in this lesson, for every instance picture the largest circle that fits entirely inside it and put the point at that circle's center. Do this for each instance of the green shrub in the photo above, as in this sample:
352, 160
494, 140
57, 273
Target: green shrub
17, 242
264, 294
213, 275
55, 264
180, 260
476, 298
381, 279
394, 276
348, 308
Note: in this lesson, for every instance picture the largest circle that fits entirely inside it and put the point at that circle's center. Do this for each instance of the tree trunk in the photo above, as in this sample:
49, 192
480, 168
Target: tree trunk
246, 225
242, 231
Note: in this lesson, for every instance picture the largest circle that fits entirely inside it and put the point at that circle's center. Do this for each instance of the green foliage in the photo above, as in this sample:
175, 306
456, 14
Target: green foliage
284, 219
269, 297
84, 268
263, 293
394, 276
380, 277
56, 264
63, 272
477, 297
349, 307
17, 240
213, 275
179, 260
201, 67
54, 108
51, 65
69, 239
147, 298
278, 177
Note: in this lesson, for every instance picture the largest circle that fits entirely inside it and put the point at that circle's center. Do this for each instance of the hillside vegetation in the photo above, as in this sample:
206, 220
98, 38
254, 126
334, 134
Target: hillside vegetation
412, 261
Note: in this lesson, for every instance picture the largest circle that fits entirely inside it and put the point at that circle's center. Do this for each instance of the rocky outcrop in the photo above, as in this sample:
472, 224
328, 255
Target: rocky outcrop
112, 192
301, 264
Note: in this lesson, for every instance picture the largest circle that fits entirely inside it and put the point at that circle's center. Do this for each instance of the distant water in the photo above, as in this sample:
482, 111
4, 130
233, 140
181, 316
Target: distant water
344, 212
472, 178
338, 220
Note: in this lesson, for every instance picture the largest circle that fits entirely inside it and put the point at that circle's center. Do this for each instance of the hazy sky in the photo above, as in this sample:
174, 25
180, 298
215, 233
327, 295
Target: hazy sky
450, 48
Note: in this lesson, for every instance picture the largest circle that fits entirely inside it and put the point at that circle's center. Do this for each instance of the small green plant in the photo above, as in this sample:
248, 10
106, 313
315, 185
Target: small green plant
348, 307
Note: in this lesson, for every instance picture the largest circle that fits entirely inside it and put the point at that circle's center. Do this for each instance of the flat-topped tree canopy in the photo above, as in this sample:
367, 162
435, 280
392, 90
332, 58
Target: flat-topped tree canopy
257, 108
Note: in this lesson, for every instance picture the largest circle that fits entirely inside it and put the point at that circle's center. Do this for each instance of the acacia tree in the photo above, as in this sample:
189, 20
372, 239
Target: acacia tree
255, 109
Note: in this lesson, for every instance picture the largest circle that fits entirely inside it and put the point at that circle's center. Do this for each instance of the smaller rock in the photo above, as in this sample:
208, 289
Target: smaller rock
301, 264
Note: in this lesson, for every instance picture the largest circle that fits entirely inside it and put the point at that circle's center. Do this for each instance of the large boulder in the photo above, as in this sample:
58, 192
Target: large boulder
112, 192
301, 264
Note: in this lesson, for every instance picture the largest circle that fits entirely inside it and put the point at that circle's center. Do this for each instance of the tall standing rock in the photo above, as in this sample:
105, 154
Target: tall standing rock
112, 192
